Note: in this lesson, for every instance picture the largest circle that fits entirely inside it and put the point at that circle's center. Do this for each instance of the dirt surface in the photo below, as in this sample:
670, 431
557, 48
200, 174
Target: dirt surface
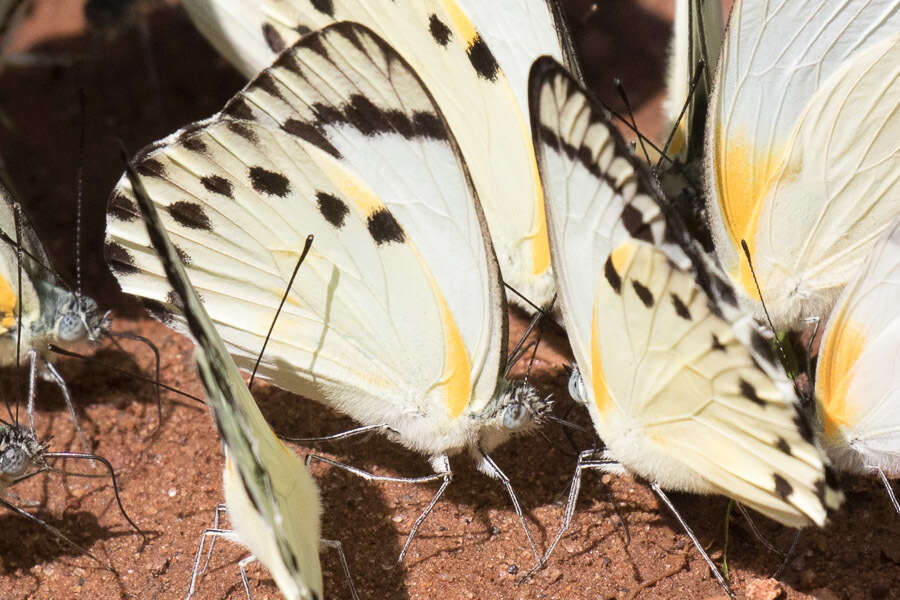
472, 545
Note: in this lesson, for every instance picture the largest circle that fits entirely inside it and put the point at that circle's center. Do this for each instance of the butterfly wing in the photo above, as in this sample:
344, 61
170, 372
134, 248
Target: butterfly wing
272, 501
397, 316
680, 385
474, 58
697, 40
858, 371
803, 148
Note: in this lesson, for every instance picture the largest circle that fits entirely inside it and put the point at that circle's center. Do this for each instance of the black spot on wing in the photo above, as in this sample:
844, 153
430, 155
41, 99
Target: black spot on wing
218, 185
158, 311
725, 291
266, 82
369, 119
122, 208
193, 143
384, 228
190, 215
782, 487
439, 30
325, 7
238, 108
243, 130
310, 133
269, 182
483, 59
183, 256
643, 293
716, 344
333, 209
302, 29
803, 426
748, 391
119, 259
782, 445
612, 276
633, 220
273, 39
761, 346
150, 167
581, 154
681, 308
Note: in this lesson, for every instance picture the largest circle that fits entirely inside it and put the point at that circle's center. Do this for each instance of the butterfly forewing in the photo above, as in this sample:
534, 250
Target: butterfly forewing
473, 57
398, 306
675, 386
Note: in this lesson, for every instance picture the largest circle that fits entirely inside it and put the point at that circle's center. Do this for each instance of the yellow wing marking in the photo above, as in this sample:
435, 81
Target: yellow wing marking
7, 304
743, 179
457, 376
461, 22
540, 241
602, 397
841, 351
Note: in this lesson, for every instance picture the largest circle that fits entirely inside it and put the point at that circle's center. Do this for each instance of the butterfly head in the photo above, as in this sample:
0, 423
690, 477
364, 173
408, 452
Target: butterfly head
78, 317
19, 450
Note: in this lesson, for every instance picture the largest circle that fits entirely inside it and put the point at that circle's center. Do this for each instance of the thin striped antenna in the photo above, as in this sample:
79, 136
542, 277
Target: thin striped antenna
79, 196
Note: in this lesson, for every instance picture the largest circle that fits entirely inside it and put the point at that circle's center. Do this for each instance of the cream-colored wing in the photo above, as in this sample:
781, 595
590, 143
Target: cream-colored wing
474, 58
397, 316
803, 147
272, 501
858, 371
680, 385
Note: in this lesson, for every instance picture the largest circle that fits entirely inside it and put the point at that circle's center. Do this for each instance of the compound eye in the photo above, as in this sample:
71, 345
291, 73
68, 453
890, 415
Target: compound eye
71, 328
13, 461
515, 415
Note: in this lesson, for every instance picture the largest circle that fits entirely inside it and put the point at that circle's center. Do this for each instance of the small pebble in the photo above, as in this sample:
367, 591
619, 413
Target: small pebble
512, 569
765, 589
495, 530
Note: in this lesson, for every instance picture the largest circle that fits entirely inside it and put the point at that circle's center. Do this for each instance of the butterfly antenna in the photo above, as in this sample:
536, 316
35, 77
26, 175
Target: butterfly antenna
540, 332
79, 193
287, 290
112, 476
763, 302
695, 80
589, 13
127, 335
704, 51
63, 352
518, 350
17, 215
59, 534
621, 91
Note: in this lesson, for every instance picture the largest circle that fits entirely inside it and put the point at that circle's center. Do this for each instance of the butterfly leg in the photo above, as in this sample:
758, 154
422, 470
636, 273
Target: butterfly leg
489, 462
242, 565
890, 490
712, 566
221, 508
195, 572
61, 384
442, 471
337, 547
585, 461
342, 435
756, 532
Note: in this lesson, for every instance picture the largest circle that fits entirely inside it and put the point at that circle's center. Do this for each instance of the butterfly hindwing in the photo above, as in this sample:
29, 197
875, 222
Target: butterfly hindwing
680, 384
803, 148
858, 373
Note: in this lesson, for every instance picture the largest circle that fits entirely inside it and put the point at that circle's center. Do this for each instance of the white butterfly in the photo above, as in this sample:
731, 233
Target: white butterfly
42, 311
397, 317
858, 371
473, 57
679, 383
273, 503
803, 148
